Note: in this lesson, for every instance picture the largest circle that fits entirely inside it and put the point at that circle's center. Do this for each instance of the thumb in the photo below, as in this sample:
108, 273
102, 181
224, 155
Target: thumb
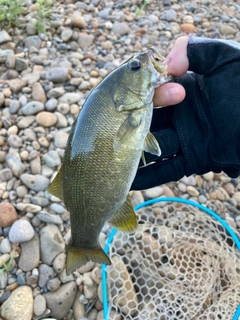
177, 59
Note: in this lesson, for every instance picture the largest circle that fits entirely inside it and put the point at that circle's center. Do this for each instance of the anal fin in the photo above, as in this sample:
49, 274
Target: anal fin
125, 219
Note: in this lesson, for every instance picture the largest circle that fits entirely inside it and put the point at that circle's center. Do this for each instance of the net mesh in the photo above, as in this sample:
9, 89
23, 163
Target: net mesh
180, 264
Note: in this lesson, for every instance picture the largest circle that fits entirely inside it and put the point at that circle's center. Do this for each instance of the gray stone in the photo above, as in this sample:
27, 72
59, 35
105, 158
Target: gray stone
3, 279
59, 262
85, 40
51, 243
35, 165
10, 61
104, 14
49, 218
40, 201
30, 254
39, 305
56, 92
21, 231
14, 141
57, 208
120, 28
14, 106
4, 37
6, 174
66, 34
51, 104
28, 207
21, 64
15, 164
60, 139
45, 273
70, 98
32, 108
52, 159
57, 74
35, 182
60, 301
170, 15
33, 41
53, 284
61, 120
5, 246
64, 277
19, 306
26, 122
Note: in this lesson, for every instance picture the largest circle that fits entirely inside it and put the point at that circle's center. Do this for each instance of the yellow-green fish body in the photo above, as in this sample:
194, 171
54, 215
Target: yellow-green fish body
103, 152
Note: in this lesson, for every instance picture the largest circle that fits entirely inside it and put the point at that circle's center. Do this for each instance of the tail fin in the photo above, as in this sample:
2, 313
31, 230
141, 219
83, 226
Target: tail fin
78, 257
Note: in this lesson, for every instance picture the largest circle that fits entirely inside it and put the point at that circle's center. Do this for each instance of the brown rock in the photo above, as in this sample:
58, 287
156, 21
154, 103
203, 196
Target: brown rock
38, 93
46, 119
8, 214
78, 21
228, 30
16, 85
187, 28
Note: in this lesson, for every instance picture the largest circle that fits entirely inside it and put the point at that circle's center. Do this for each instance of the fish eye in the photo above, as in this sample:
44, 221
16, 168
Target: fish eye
134, 65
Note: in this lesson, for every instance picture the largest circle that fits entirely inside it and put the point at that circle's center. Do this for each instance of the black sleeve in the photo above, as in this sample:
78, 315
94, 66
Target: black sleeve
202, 133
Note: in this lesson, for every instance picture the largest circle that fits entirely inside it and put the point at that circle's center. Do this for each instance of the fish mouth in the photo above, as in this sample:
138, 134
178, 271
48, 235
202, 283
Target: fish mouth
158, 61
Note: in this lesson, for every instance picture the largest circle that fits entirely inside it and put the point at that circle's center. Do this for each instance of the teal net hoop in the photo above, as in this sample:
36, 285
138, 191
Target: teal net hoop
150, 202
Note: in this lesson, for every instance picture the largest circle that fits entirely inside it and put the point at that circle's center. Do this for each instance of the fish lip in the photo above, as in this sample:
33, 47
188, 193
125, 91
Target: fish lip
158, 61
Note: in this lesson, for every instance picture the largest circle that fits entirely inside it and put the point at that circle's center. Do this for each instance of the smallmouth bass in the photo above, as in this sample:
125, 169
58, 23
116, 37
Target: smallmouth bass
102, 154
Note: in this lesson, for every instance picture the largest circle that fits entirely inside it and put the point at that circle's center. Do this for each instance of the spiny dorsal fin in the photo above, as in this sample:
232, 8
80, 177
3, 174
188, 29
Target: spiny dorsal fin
125, 219
151, 145
55, 187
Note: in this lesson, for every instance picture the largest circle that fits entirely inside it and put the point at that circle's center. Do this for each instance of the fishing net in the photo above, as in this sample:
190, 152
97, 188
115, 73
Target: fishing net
180, 264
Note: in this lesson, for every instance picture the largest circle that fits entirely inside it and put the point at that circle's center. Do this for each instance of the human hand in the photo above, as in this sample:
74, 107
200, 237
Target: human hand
173, 93
201, 133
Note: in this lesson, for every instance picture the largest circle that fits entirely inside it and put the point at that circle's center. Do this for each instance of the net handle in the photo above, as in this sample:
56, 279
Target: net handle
149, 202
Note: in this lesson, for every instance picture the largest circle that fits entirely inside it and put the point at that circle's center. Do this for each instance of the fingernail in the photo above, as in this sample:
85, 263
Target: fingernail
172, 93
167, 61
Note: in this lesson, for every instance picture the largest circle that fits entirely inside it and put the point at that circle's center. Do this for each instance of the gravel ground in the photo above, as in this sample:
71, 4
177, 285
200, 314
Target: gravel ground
44, 80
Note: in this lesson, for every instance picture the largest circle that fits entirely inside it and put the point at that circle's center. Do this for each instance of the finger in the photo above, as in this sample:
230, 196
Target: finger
168, 94
177, 59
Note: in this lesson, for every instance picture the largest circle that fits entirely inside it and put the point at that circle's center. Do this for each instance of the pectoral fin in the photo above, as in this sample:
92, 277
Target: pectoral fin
151, 145
125, 219
127, 130
55, 187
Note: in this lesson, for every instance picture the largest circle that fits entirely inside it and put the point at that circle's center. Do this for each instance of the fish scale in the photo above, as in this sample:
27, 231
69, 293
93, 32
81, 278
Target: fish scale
103, 152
